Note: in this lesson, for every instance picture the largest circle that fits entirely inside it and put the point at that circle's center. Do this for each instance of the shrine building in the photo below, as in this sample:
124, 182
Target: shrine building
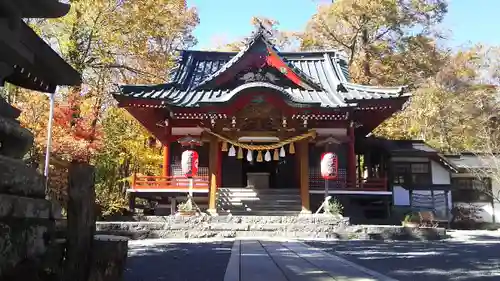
265, 117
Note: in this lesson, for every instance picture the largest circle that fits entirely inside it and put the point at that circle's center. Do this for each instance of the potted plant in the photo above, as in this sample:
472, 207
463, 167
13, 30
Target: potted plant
186, 208
334, 207
411, 220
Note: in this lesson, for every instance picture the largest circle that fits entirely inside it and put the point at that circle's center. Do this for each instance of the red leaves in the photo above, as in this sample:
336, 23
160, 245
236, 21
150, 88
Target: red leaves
77, 134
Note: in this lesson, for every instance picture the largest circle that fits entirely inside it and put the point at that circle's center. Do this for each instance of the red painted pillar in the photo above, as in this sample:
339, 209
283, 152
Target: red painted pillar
351, 168
166, 163
165, 172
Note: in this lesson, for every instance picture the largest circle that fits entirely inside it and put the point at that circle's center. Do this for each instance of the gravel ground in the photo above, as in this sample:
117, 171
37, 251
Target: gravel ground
466, 256
176, 261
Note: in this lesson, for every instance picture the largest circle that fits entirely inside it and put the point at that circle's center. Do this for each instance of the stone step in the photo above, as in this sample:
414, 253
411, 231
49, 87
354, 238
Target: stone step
260, 196
250, 212
264, 206
312, 218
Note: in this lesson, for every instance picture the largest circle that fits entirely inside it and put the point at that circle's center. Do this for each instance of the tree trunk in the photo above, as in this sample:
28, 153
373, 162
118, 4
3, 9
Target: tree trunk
81, 221
366, 61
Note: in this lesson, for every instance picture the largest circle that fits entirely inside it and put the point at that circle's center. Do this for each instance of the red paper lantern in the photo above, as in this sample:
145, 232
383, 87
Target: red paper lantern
189, 163
329, 165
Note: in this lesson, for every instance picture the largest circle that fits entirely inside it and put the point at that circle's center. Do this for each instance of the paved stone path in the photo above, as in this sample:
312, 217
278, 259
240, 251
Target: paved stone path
467, 256
177, 260
291, 261
240, 260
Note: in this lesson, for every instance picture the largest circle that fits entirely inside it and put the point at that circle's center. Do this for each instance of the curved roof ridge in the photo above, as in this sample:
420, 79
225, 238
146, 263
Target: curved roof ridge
376, 89
135, 88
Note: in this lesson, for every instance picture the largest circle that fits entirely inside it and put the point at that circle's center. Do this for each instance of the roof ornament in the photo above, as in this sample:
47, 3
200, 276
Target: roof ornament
265, 29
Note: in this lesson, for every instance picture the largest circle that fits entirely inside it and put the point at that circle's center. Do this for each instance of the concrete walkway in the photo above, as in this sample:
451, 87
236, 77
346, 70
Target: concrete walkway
257, 260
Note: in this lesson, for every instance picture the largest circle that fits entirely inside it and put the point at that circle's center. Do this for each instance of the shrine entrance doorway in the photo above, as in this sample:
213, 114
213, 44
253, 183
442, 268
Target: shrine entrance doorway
276, 174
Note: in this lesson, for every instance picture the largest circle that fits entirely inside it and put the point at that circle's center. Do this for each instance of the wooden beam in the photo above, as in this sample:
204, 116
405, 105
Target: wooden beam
212, 167
304, 175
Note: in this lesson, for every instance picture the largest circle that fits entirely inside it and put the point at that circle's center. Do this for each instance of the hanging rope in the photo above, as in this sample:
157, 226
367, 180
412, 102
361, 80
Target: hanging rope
277, 145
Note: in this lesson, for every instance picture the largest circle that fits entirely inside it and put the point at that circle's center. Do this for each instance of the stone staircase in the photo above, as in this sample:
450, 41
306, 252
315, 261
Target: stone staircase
263, 202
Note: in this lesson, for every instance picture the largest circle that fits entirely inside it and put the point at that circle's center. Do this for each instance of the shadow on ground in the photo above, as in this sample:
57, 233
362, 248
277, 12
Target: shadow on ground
476, 259
177, 261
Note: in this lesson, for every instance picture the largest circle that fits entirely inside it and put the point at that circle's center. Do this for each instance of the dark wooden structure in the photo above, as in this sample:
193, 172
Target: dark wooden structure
25, 59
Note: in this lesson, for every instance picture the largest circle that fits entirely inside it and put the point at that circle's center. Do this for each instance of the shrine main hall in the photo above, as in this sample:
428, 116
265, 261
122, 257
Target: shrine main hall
264, 118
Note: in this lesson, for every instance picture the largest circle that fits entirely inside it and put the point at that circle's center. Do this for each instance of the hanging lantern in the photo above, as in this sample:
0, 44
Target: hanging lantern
189, 163
240, 153
329, 165
224, 146
292, 148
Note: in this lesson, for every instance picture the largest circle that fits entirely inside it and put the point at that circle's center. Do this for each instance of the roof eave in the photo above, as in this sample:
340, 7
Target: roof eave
361, 100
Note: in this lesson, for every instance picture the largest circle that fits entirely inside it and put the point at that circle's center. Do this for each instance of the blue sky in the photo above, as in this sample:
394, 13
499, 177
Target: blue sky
469, 21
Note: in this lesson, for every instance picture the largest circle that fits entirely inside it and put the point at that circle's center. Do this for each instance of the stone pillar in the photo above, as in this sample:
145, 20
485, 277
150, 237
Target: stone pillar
166, 160
213, 159
81, 221
304, 175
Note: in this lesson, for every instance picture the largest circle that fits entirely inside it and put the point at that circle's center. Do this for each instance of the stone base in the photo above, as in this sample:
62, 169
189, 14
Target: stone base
212, 212
109, 255
303, 226
305, 212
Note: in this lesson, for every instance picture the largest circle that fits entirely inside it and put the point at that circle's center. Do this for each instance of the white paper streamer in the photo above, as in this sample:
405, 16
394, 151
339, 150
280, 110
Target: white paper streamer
267, 156
282, 152
249, 156
232, 151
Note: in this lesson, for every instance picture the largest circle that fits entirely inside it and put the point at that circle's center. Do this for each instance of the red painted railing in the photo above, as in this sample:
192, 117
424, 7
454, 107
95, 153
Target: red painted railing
174, 183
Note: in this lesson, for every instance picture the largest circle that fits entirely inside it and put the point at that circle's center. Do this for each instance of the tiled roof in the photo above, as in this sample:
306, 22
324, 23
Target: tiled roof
325, 73
472, 161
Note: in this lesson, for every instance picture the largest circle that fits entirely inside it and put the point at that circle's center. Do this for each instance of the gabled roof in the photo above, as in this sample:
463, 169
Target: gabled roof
262, 42
414, 148
318, 78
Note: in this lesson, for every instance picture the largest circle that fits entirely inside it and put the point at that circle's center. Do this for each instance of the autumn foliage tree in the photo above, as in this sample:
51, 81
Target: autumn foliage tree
109, 42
